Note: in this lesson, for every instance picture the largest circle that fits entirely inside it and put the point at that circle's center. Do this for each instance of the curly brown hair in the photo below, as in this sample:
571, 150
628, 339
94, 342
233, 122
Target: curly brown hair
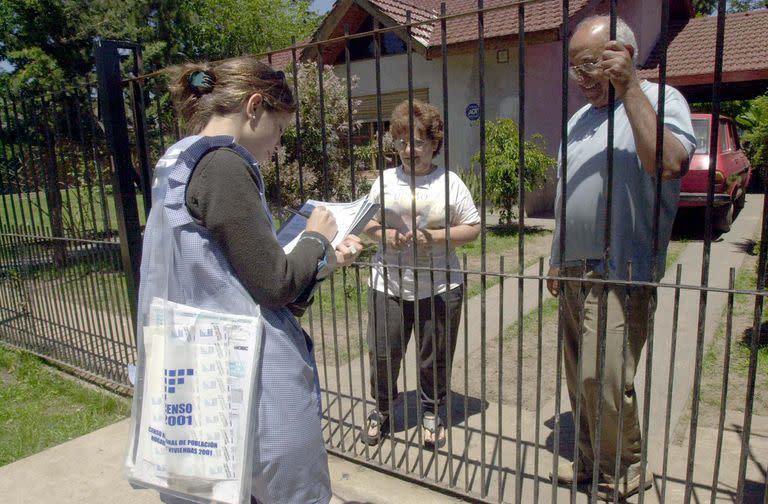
425, 116
225, 86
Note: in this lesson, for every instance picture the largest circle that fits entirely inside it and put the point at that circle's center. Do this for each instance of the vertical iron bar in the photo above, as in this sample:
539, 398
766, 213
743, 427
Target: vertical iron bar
13, 157
295, 68
140, 129
349, 357
724, 391
319, 295
380, 160
336, 359
23, 161
539, 358
661, 107
380, 167
403, 345
466, 373
434, 357
53, 193
323, 131
414, 229
61, 155
671, 380
99, 175
446, 158
583, 288
86, 170
483, 237
713, 144
603, 302
103, 329
358, 290
74, 173
500, 468
276, 161
44, 304
520, 245
350, 122
628, 291
563, 169
4, 159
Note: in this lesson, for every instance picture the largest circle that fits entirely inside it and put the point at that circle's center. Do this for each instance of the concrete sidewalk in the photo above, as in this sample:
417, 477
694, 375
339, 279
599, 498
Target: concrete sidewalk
89, 470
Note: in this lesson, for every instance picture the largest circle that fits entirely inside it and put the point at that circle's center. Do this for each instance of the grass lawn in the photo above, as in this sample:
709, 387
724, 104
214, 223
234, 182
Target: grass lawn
81, 208
712, 365
40, 408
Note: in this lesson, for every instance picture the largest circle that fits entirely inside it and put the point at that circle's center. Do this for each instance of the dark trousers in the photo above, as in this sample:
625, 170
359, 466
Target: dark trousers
390, 324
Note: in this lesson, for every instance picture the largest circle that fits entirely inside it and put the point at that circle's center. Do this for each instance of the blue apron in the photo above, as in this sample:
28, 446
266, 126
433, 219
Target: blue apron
289, 460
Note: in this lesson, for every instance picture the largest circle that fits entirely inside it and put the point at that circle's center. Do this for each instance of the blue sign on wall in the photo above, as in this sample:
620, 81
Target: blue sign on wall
473, 112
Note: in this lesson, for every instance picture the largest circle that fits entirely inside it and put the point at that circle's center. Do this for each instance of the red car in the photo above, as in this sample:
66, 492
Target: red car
731, 178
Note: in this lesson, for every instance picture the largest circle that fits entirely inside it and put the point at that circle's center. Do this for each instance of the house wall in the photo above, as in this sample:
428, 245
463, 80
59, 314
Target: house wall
463, 88
543, 81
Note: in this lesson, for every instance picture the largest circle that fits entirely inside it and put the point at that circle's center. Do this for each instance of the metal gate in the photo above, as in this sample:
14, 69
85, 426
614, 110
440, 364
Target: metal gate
75, 186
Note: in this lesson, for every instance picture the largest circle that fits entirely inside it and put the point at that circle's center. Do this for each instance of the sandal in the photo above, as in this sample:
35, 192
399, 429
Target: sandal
433, 425
379, 422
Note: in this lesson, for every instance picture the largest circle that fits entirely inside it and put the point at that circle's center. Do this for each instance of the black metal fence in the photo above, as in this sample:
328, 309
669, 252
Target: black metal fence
75, 178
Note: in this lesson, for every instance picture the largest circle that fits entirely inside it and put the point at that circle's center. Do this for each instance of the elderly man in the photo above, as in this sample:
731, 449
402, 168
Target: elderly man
595, 62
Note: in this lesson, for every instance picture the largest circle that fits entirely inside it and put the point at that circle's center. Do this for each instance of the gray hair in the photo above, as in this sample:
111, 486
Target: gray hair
624, 33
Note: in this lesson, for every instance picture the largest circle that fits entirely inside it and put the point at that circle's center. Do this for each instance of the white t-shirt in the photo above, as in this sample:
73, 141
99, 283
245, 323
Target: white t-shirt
430, 214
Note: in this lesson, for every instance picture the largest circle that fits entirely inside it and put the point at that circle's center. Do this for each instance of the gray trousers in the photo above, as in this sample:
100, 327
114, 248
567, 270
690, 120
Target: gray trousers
391, 321
583, 327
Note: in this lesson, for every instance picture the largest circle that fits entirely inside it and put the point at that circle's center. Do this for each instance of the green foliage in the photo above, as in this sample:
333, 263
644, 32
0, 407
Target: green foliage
708, 7
502, 161
334, 181
51, 41
471, 179
755, 138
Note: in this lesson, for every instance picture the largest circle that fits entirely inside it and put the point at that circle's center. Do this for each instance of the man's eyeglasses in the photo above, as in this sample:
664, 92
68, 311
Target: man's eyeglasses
577, 71
400, 143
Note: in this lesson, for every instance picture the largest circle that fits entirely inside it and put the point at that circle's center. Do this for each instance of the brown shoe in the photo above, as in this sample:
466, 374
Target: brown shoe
628, 485
565, 473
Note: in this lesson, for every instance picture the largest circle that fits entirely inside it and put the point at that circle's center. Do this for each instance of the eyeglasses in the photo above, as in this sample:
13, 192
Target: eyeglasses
400, 143
577, 71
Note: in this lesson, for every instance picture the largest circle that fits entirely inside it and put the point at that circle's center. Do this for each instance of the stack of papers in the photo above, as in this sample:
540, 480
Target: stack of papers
351, 218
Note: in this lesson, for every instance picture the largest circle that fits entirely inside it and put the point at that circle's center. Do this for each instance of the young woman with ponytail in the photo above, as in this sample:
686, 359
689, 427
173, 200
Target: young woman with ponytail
211, 216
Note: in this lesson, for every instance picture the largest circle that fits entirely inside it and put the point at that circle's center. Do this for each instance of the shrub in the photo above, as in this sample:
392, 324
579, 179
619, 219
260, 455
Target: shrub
502, 161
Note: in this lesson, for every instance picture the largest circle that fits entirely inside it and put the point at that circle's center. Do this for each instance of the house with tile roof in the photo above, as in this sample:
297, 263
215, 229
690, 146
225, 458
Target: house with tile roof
690, 61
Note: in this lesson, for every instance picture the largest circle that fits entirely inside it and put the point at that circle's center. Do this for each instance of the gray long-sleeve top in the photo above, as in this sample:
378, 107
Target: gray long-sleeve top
223, 196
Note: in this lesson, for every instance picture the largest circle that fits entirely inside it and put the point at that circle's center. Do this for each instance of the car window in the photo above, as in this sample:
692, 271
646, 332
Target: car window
724, 134
735, 139
701, 132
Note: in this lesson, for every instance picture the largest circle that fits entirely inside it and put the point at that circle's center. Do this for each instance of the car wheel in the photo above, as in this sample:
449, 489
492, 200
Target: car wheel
741, 200
722, 219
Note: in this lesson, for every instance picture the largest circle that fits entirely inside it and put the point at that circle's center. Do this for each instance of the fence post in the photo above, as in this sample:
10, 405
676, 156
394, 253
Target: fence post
140, 125
112, 108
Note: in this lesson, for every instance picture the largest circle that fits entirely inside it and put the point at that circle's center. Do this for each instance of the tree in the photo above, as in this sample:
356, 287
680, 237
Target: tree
755, 137
502, 161
49, 43
326, 181
708, 7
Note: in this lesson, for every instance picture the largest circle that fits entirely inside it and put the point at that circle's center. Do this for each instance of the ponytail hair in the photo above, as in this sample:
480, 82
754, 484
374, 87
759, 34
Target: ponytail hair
202, 90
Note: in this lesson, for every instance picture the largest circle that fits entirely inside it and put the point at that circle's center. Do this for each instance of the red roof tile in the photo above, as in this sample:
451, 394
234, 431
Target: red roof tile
539, 16
691, 50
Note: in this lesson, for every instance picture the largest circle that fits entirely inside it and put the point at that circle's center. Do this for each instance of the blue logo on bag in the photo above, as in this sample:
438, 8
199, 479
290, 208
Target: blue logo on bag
175, 378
